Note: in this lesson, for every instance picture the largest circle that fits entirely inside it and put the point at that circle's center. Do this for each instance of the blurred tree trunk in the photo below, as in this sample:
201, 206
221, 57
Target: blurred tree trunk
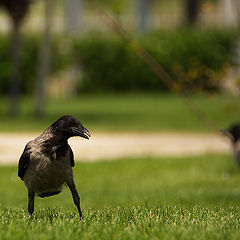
73, 12
143, 14
237, 7
14, 86
17, 10
191, 11
228, 10
44, 61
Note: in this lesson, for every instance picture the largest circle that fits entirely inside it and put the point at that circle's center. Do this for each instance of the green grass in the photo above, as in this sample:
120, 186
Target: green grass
147, 198
127, 112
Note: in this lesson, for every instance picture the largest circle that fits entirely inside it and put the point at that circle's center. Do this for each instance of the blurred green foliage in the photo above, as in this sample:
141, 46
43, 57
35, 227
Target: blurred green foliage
115, 6
29, 62
197, 58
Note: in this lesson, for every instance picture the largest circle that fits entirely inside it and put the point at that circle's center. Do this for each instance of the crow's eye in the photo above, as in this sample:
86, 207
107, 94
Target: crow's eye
71, 124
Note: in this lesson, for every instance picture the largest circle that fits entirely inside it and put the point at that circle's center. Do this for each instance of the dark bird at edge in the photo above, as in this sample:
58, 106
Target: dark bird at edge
46, 162
233, 132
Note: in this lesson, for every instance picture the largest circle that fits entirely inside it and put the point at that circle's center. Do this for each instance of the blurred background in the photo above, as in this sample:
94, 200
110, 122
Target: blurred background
153, 81
68, 57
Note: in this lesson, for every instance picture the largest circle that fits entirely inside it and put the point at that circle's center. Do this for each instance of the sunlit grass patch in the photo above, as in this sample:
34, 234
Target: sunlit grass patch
137, 198
127, 112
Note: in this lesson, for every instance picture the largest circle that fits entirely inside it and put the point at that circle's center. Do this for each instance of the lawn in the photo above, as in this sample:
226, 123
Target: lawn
146, 198
127, 112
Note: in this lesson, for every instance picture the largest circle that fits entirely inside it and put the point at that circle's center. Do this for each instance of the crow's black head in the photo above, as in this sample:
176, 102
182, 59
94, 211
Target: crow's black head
69, 127
233, 132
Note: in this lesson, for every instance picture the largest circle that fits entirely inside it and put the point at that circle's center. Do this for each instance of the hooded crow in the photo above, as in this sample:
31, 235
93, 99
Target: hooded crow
46, 162
233, 132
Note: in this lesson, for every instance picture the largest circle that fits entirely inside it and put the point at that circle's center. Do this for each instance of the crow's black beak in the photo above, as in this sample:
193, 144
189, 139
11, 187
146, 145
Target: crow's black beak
83, 132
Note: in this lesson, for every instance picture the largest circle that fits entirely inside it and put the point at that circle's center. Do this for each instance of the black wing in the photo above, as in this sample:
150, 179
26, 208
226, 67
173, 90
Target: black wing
71, 157
23, 162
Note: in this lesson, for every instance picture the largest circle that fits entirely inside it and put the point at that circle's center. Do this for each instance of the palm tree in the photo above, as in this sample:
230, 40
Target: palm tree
17, 10
143, 17
44, 60
192, 11
73, 11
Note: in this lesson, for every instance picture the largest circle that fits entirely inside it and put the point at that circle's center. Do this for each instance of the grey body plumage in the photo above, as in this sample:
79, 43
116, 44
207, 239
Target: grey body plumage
46, 162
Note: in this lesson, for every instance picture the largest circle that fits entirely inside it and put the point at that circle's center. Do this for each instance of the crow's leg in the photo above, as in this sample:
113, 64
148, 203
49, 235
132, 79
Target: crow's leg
31, 195
75, 196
